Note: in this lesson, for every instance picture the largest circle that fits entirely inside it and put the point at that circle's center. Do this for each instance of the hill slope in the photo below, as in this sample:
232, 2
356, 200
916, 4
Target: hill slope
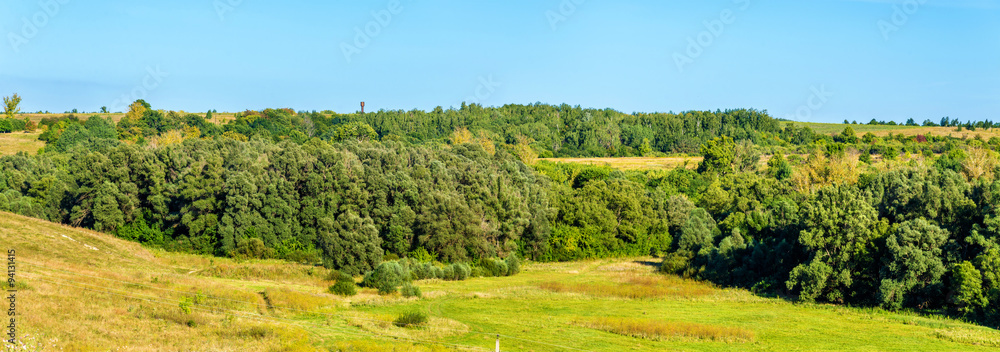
81, 290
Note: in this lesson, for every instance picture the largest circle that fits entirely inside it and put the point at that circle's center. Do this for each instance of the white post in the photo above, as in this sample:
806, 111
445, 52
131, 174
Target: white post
498, 343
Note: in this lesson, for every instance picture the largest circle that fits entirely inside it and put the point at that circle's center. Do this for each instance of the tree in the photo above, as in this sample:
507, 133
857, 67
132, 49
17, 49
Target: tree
989, 264
353, 246
746, 155
966, 295
698, 232
840, 226
678, 208
718, 155
979, 162
913, 260
524, 151
461, 136
104, 109
12, 105
358, 131
778, 167
847, 136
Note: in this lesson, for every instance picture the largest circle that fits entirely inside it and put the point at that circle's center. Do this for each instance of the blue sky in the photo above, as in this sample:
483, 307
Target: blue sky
817, 60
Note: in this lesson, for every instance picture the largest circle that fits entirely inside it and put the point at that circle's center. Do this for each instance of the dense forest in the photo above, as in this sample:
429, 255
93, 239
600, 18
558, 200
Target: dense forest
898, 222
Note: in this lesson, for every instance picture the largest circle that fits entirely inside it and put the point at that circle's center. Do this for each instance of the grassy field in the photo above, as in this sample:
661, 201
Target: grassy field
883, 130
11, 143
84, 291
634, 163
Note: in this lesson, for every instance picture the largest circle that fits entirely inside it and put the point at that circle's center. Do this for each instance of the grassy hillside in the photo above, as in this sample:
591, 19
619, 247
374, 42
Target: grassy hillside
85, 291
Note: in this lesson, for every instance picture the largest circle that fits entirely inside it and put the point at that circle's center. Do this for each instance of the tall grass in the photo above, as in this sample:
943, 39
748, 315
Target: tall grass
977, 337
265, 271
296, 301
659, 330
640, 287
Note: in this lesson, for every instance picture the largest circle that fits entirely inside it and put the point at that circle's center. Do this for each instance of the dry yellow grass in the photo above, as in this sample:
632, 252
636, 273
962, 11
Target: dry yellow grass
634, 163
382, 324
296, 302
12, 143
86, 291
659, 330
636, 287
271, 270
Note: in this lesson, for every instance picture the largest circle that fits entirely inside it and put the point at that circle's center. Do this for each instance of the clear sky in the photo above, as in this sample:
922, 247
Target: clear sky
818, 60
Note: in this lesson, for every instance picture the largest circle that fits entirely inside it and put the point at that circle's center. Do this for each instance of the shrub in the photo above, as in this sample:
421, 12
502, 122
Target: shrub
423, 271
408, 290
448, 273
673, 263
5, 126
477, 272
344, 288
386, 289
460, 271
513, 264
495, 267
339, 276
253, 248
386, 277
411, 319
421, 255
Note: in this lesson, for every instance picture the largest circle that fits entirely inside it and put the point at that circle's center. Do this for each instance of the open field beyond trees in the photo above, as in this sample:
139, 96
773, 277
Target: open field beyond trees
12, 143
634, 163
81, 290
885, 130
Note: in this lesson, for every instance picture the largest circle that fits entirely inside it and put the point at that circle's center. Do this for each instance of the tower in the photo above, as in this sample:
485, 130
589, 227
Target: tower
362, 107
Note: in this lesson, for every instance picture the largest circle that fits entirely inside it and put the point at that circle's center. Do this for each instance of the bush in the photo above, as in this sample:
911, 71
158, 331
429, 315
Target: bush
386, 289
673, 263
344, 288
494, 267
411, 319
408, 290
339, 276
460, 271
513, 264
448, 273
423, 271
386, 277
253, 248
477, 272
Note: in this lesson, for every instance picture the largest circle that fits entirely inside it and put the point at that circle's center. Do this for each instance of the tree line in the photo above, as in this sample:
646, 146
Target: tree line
891, 221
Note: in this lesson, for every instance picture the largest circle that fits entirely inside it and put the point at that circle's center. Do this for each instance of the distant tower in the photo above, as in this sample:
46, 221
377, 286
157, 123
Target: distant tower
362, 107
